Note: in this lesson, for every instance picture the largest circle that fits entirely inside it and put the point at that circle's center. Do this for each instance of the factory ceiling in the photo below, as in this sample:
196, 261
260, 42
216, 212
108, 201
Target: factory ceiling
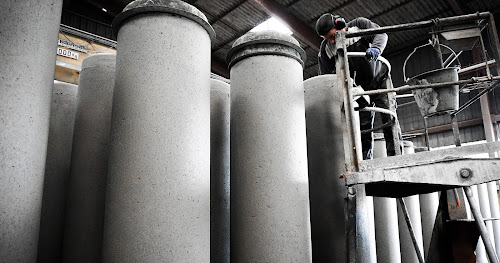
233, 18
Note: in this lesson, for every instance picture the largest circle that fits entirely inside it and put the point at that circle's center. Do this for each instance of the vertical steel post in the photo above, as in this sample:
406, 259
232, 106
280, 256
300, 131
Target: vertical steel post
481, 226
360, 229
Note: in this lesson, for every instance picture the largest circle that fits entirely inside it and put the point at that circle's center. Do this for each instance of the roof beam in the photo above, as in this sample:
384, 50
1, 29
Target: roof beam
300, 29
219, 68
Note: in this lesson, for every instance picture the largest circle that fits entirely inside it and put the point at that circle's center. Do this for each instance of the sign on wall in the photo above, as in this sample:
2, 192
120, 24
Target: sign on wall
67, 53
71, 45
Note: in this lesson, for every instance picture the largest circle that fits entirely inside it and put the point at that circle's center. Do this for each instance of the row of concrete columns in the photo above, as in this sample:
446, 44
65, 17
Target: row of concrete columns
140, 177
151, 157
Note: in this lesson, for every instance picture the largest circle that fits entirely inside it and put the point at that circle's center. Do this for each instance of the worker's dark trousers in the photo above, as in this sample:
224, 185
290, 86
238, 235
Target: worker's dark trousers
367, 118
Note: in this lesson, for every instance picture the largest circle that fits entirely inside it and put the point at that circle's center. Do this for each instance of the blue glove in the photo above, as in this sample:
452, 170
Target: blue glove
372, 54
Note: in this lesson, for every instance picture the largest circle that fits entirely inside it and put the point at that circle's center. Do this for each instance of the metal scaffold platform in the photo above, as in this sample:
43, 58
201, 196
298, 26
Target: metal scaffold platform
425, 172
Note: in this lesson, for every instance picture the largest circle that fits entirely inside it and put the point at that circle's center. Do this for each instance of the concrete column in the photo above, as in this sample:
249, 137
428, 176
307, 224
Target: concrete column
89, 164
481, 256
269, 184
219, 171
57, 169
413, 206
429, 204
386, 217
492, 186
327, 190
28, 33
158, 187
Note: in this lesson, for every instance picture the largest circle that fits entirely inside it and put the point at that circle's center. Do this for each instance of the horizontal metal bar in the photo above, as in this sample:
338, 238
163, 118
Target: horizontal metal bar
87, 36
490, 63
429, 156
475, 98
447, 172
422, 24
434, 85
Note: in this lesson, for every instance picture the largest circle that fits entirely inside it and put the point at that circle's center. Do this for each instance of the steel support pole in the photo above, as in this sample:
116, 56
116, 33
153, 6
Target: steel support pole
478, 218
365, 250
28, 30
416, 242
89, 161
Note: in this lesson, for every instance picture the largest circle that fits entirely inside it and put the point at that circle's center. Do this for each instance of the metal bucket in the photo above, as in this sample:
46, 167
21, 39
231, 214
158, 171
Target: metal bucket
435, 101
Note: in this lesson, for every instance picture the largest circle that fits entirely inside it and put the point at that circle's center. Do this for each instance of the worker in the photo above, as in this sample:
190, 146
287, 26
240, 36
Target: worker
368, 72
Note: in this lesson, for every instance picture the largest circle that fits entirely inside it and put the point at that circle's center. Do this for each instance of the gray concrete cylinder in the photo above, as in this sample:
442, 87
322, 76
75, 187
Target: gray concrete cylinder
413, 206
269, 184
158, 188
28, 33
386, 217
89, 164
57, 169
327, 190
429, 204
219, 171
325, 155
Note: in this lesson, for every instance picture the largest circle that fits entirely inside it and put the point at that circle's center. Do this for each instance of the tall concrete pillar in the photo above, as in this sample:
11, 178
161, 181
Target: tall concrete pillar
269, 184
219, 171
57, 169
481, 256
413, 206
386, 217
429, 204
89, 164
28, 33
158, 187
327, 190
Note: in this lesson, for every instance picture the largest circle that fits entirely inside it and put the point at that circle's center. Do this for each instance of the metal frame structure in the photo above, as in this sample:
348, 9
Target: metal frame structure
385, 176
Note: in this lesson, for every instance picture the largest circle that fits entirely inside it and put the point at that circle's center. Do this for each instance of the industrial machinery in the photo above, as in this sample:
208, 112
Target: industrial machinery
425, 172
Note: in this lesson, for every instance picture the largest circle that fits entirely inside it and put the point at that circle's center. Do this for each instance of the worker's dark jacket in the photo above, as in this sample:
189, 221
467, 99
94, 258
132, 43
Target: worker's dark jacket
368, 74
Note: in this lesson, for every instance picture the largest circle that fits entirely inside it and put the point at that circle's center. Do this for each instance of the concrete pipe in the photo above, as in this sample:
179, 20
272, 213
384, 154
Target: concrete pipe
28, 30
57, 169
386, 216
269, 183
89, 164
327, 190
219, 171
158, 188
413, 206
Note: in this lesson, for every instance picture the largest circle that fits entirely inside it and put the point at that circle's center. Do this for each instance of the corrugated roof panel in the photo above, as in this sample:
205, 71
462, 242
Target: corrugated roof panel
224, 34
245, 17
216, 9
309, 11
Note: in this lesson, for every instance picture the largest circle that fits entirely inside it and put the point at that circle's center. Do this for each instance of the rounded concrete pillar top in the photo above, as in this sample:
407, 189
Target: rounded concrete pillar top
265, 43
98, 59
407, 144
175, 7
378, 136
